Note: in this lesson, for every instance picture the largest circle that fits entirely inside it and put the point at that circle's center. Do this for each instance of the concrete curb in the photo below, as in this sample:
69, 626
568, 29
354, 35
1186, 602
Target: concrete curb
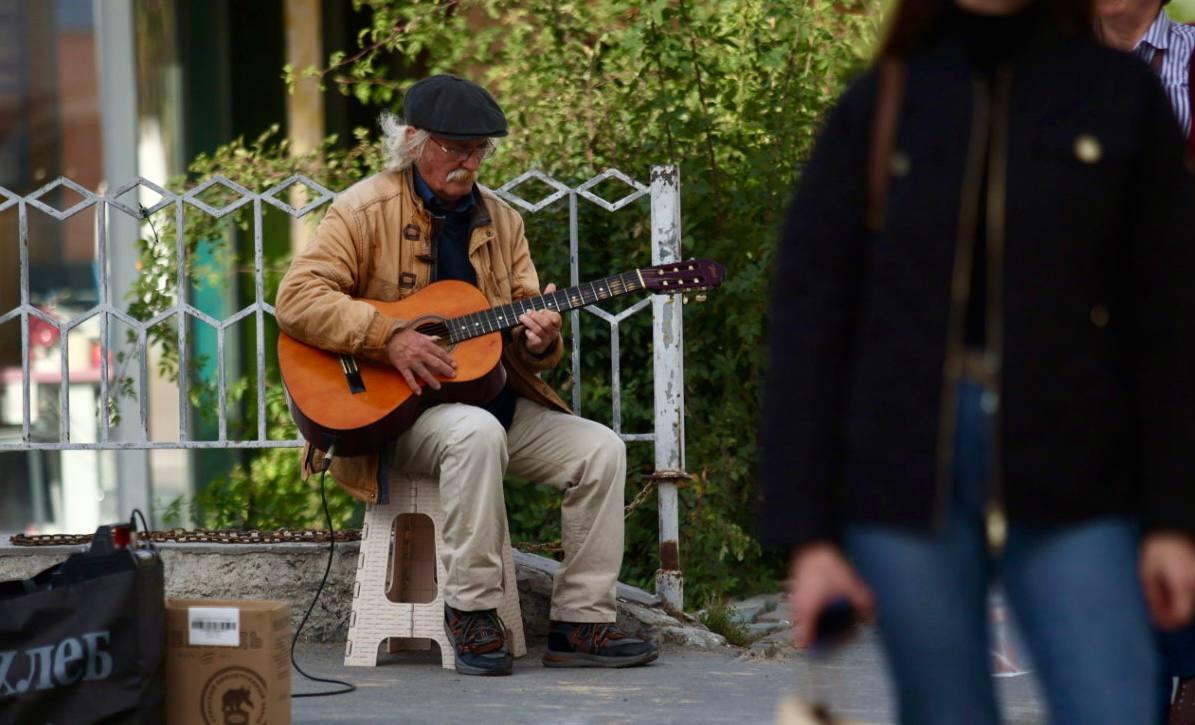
292, 572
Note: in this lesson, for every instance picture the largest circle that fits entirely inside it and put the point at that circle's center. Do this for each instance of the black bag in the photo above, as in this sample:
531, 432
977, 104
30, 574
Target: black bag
83, 641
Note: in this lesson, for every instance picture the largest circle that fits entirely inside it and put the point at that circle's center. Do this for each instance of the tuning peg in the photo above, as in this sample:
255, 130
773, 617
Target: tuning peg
684, 299
700, 297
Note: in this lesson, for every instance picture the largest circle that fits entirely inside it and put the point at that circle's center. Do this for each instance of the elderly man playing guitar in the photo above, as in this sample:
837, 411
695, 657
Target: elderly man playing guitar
423, 220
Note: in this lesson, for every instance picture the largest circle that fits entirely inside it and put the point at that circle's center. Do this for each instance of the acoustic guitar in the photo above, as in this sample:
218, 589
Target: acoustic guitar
358, 404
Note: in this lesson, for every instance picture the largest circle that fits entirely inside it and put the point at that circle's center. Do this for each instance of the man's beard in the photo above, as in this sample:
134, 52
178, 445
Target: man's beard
463, 175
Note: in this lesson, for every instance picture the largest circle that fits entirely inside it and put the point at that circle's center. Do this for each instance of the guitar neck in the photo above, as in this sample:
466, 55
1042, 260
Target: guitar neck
505, 317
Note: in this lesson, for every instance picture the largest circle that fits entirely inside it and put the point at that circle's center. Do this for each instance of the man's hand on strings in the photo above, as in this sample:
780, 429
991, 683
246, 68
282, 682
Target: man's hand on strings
419, 359
541, 327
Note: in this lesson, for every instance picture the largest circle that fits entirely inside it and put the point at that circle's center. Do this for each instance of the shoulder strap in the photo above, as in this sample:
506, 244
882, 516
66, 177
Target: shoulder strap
889, 98
1191, 102
1156, 61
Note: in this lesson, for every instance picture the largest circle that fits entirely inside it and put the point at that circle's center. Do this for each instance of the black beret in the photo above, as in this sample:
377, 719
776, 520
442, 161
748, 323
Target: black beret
453, 107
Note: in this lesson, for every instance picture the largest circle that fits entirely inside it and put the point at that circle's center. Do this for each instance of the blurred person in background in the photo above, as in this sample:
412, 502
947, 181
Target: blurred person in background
1142, 27
982, 335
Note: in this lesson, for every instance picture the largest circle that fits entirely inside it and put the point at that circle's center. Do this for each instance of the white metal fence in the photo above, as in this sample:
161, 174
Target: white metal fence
667, 434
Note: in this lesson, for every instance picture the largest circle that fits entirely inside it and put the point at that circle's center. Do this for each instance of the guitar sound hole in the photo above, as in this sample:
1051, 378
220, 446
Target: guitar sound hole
437, 328
433, 329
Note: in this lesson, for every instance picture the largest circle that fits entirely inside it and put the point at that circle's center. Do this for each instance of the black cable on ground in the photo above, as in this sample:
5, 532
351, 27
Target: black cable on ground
345, 687
144, 526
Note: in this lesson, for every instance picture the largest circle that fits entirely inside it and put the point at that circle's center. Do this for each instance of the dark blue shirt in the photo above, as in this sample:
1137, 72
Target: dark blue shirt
450, 234
451, 229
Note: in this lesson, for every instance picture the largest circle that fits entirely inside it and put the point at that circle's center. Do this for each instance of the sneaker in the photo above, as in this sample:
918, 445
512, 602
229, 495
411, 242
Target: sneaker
478, 642
595, 645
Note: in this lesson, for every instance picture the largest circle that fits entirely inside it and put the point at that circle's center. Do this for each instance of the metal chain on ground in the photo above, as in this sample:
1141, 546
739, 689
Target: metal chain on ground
298, 536
530, 547
201, 536
639, 498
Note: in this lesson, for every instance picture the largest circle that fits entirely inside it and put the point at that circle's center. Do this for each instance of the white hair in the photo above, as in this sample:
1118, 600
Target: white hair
400, 149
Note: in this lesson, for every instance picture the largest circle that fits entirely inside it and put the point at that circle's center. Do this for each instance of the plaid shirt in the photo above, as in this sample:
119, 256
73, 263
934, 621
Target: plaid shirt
1176, 42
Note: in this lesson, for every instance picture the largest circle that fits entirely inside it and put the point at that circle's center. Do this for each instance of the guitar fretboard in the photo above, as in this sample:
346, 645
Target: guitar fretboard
504, 317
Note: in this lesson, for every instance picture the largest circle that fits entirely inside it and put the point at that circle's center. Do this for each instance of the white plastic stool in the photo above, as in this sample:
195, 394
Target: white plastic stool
403, 602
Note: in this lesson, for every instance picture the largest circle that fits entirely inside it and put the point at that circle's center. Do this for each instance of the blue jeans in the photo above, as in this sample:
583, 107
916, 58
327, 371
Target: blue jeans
1073, 589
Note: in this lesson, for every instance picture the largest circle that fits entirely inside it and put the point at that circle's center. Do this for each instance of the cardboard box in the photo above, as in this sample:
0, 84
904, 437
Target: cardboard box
227, 662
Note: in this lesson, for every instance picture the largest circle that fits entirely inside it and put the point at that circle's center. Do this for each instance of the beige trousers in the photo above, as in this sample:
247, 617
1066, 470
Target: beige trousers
469, 451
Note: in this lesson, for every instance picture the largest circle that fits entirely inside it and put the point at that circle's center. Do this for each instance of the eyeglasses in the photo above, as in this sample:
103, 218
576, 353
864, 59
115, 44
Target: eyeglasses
461, 155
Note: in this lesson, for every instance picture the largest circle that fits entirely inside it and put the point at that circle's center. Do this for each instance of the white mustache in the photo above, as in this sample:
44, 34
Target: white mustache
461, 175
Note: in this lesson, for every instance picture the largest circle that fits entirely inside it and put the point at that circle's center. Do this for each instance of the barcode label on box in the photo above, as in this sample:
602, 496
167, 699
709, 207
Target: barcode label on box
214, 626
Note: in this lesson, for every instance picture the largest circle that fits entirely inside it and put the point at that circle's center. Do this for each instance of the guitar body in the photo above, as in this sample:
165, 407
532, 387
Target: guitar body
329, 411
360, 405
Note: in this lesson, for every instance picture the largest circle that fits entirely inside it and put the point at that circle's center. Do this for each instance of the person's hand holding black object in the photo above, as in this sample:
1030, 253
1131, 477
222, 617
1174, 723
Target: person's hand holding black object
835, 625
1168, 578
826, 595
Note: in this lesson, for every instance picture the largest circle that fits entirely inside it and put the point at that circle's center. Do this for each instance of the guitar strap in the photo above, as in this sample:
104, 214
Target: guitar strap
1191, 105
889, 98
1156, 61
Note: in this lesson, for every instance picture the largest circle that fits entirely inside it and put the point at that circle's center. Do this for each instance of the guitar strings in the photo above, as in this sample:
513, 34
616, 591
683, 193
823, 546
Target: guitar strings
503, 316
434, 329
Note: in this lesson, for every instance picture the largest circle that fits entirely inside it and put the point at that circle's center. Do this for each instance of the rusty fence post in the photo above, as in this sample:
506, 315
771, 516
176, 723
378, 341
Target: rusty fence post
669, 377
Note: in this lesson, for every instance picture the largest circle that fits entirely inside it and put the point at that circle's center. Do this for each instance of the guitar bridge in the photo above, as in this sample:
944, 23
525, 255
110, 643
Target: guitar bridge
352, 374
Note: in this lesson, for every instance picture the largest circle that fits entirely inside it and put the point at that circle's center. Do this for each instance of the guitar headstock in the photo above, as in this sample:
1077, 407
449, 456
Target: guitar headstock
690, 275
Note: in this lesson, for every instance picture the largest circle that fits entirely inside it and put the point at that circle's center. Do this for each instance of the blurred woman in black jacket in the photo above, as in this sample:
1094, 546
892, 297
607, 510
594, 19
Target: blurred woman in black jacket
983, 339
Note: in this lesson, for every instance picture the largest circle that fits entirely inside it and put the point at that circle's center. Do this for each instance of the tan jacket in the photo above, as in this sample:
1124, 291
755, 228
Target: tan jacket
375, 243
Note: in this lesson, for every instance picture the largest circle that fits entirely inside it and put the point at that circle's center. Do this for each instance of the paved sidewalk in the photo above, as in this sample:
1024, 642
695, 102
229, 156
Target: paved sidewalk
683, 686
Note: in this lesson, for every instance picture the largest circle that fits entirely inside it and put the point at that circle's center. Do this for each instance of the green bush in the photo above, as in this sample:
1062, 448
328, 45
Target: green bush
730, 90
